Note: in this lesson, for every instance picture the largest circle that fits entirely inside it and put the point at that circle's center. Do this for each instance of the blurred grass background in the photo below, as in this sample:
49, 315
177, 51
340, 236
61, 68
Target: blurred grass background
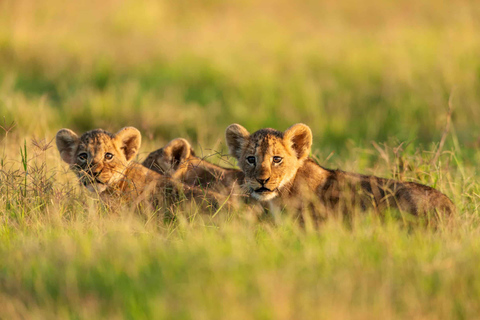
354, 71
177, 68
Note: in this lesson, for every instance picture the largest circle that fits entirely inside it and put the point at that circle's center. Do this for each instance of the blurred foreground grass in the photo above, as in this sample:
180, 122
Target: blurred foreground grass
354, 71
103, 267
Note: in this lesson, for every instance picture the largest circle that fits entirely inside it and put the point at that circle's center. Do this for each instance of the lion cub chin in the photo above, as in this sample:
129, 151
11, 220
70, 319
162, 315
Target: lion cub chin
178, 160
276, 166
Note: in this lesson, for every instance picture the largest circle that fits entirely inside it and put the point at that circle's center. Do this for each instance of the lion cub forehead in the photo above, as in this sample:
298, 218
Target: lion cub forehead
97, 137
267, 132
267, 141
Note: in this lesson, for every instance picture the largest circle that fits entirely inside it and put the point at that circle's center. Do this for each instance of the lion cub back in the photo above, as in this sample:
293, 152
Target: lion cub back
380, 194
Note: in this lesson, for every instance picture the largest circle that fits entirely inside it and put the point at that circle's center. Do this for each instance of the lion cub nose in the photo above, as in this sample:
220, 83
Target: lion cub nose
263, 181
95, 170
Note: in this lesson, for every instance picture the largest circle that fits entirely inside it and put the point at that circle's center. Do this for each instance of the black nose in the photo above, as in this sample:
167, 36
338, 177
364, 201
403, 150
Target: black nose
95, 171
263, 181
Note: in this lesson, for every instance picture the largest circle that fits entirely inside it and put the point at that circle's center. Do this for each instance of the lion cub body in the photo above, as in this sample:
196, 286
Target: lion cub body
277, 167
178, 160
344, 191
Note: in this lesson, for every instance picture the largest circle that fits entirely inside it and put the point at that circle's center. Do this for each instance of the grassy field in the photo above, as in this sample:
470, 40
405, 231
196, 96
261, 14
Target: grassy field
373, 79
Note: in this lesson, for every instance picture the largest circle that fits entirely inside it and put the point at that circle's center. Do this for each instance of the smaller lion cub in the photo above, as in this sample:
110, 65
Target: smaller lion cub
104, 164
277, 166
178, 161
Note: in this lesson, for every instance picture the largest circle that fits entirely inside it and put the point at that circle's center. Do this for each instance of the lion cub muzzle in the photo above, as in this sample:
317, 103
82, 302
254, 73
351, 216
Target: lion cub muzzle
262, 190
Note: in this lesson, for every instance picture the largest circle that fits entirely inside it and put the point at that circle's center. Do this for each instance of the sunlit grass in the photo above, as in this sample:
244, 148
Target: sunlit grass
371, 78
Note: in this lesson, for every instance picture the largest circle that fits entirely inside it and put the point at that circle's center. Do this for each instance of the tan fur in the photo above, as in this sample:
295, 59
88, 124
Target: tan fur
178, 160
119, 176
297, 181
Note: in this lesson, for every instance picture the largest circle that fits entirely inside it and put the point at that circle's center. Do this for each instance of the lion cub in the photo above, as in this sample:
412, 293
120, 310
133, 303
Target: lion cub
277, 166
104, 164
177, 160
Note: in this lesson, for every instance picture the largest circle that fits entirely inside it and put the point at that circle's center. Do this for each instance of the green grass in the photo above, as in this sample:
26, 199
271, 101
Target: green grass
372, 79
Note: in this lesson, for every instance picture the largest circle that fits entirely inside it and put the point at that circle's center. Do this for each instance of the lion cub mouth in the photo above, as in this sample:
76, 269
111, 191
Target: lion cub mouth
264, 194
92, 181
95, 185
263, 190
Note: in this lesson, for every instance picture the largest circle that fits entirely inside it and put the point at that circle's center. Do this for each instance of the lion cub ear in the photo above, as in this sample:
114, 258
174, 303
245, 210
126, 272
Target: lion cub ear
129, 140
67, 142
299, 138
177, 151
236, 137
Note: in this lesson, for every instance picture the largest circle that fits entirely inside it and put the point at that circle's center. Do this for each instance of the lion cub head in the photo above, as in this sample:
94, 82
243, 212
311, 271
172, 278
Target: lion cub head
98, 157
269, 158
171, 157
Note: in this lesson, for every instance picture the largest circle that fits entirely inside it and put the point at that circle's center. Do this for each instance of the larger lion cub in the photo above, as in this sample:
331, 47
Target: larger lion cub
277, 166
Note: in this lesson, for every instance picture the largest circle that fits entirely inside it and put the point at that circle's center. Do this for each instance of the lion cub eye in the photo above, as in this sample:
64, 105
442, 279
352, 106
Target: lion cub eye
251, 160
277, 159
82, 156
108, 156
